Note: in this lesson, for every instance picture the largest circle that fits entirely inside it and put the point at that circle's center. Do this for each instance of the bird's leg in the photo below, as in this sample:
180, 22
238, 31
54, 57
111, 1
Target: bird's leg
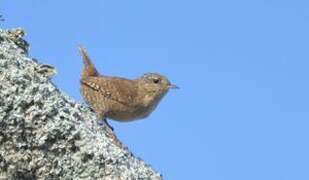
103, 122
107, 124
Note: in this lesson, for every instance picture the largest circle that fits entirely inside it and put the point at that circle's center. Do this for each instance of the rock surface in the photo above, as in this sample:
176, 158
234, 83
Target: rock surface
45, 134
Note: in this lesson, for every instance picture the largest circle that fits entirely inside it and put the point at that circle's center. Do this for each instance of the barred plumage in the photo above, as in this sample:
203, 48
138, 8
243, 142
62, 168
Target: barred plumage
119, 98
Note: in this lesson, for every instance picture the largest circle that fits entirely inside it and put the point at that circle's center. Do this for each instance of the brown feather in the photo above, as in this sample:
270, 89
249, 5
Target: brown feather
117, 89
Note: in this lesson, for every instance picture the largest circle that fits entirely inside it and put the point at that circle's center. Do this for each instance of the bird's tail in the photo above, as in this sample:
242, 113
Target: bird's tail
89, 69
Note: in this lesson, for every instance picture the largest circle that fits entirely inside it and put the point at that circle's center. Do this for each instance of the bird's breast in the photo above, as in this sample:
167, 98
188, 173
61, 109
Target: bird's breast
130, 113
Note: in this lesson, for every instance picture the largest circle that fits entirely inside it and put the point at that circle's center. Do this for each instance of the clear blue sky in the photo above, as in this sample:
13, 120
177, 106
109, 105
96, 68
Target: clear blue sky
242, 112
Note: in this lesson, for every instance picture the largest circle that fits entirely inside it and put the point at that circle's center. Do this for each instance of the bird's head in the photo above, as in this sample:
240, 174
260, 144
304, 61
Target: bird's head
156, 84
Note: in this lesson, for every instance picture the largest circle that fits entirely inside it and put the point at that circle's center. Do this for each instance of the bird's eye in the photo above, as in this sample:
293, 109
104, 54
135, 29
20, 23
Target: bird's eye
156, 81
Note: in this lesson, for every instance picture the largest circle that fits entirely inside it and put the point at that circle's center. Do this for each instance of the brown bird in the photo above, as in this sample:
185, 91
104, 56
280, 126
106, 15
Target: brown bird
119, 98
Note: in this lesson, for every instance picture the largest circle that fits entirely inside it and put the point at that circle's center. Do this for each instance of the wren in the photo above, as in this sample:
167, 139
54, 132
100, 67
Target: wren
118, 98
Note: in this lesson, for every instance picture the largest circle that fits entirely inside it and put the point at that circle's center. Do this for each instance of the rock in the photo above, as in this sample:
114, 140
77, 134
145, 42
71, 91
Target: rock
45, 134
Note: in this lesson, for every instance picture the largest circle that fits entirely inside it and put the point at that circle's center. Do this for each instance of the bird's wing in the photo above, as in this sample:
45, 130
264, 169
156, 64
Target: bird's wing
117, 89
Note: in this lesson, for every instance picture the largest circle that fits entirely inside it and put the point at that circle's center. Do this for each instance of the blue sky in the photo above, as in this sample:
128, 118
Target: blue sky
243, 108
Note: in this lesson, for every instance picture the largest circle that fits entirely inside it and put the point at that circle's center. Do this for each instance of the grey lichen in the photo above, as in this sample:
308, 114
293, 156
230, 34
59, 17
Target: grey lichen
45, 134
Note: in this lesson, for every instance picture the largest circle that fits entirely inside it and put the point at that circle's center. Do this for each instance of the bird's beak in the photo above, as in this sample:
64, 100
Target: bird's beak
173, 86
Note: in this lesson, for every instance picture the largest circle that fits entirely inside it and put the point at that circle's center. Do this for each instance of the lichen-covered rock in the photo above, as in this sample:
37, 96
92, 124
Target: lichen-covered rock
45, 134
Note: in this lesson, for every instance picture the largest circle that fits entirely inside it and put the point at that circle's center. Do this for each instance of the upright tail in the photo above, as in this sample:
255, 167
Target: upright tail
89, 69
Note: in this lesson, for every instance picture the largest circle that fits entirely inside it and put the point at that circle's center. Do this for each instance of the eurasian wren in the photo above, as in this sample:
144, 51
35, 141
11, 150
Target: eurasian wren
119, 98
